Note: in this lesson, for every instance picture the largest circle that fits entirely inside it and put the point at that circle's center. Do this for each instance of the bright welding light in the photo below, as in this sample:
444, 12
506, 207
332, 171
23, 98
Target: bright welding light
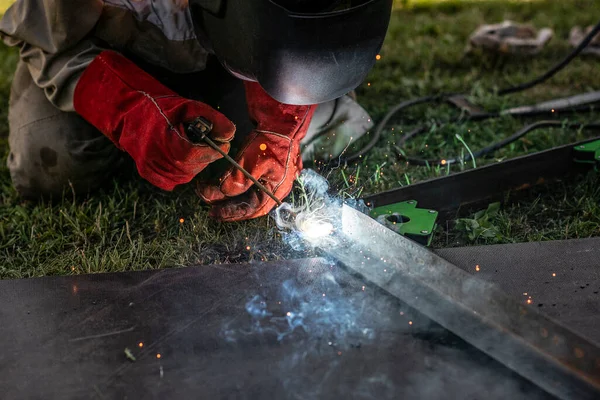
312, 229
313, 216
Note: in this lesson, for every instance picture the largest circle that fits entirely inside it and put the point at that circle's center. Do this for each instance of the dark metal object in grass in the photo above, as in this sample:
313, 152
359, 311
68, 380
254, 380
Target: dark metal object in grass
534, 346
487, 184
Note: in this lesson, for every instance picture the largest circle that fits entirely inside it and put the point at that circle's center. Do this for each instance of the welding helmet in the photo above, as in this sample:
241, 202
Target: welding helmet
300, 51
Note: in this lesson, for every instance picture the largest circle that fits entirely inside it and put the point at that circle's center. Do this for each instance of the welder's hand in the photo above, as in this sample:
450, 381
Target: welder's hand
148, 120
271, 155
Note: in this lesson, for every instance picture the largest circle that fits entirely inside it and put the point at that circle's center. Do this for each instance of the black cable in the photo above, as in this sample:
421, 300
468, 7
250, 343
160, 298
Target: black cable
485, 116
557, 68
384, 121
438, 98
492, 148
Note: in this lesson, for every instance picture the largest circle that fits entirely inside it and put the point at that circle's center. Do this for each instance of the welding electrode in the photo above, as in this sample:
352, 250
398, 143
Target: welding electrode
198, 131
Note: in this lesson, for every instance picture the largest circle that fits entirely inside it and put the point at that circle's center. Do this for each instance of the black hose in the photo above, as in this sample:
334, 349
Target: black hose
383, 123
438, 98
557, 68
492, 148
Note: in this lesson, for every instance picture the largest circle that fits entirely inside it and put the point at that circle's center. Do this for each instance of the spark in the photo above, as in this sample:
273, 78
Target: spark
181, 220
263, 147
158, 355
410, 322
378, 57
248, 248
140, 345
528, 301
554, 274
477, 268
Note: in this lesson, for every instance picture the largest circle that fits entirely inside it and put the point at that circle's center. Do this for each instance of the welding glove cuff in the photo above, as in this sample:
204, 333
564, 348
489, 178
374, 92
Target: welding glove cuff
147, 120
271, 154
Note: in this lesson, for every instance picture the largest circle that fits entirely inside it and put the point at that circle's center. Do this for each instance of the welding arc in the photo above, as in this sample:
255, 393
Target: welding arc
377, 134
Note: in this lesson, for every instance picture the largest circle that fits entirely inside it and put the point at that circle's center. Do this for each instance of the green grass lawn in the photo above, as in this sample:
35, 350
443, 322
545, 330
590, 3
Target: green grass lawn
130, 226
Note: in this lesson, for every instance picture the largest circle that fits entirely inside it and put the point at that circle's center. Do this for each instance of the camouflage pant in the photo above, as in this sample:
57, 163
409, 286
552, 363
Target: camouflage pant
51, 150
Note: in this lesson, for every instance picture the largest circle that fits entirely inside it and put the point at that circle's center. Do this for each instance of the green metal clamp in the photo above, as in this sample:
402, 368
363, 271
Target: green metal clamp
406, 219
588, 153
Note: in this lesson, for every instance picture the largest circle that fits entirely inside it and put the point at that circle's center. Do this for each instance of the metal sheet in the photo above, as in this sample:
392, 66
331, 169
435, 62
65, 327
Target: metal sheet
64, 338
539, 349
561, 278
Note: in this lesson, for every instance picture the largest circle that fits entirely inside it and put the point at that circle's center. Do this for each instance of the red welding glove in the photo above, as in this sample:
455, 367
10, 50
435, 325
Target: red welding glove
147, 120
271, 155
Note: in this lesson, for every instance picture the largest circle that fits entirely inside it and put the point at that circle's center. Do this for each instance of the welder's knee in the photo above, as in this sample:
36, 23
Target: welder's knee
51, 150
61, 152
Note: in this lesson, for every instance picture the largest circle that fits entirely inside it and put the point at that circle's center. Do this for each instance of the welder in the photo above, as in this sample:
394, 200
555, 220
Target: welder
98, 79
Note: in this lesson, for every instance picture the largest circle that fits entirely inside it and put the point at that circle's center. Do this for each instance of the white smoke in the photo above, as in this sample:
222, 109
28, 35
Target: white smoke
312, 217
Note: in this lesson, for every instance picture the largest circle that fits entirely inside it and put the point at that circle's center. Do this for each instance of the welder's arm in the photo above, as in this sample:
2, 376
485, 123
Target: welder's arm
148, 120
136, 112
271, 155
52, 37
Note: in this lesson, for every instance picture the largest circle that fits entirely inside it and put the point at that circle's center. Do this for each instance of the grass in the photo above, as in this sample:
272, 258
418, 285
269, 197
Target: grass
130, 225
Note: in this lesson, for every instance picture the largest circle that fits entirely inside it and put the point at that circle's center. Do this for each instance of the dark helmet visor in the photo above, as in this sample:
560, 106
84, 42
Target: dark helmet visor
299, 53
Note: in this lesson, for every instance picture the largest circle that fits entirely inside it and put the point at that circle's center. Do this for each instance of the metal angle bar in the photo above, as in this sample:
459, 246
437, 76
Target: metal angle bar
537, 348
447, 194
